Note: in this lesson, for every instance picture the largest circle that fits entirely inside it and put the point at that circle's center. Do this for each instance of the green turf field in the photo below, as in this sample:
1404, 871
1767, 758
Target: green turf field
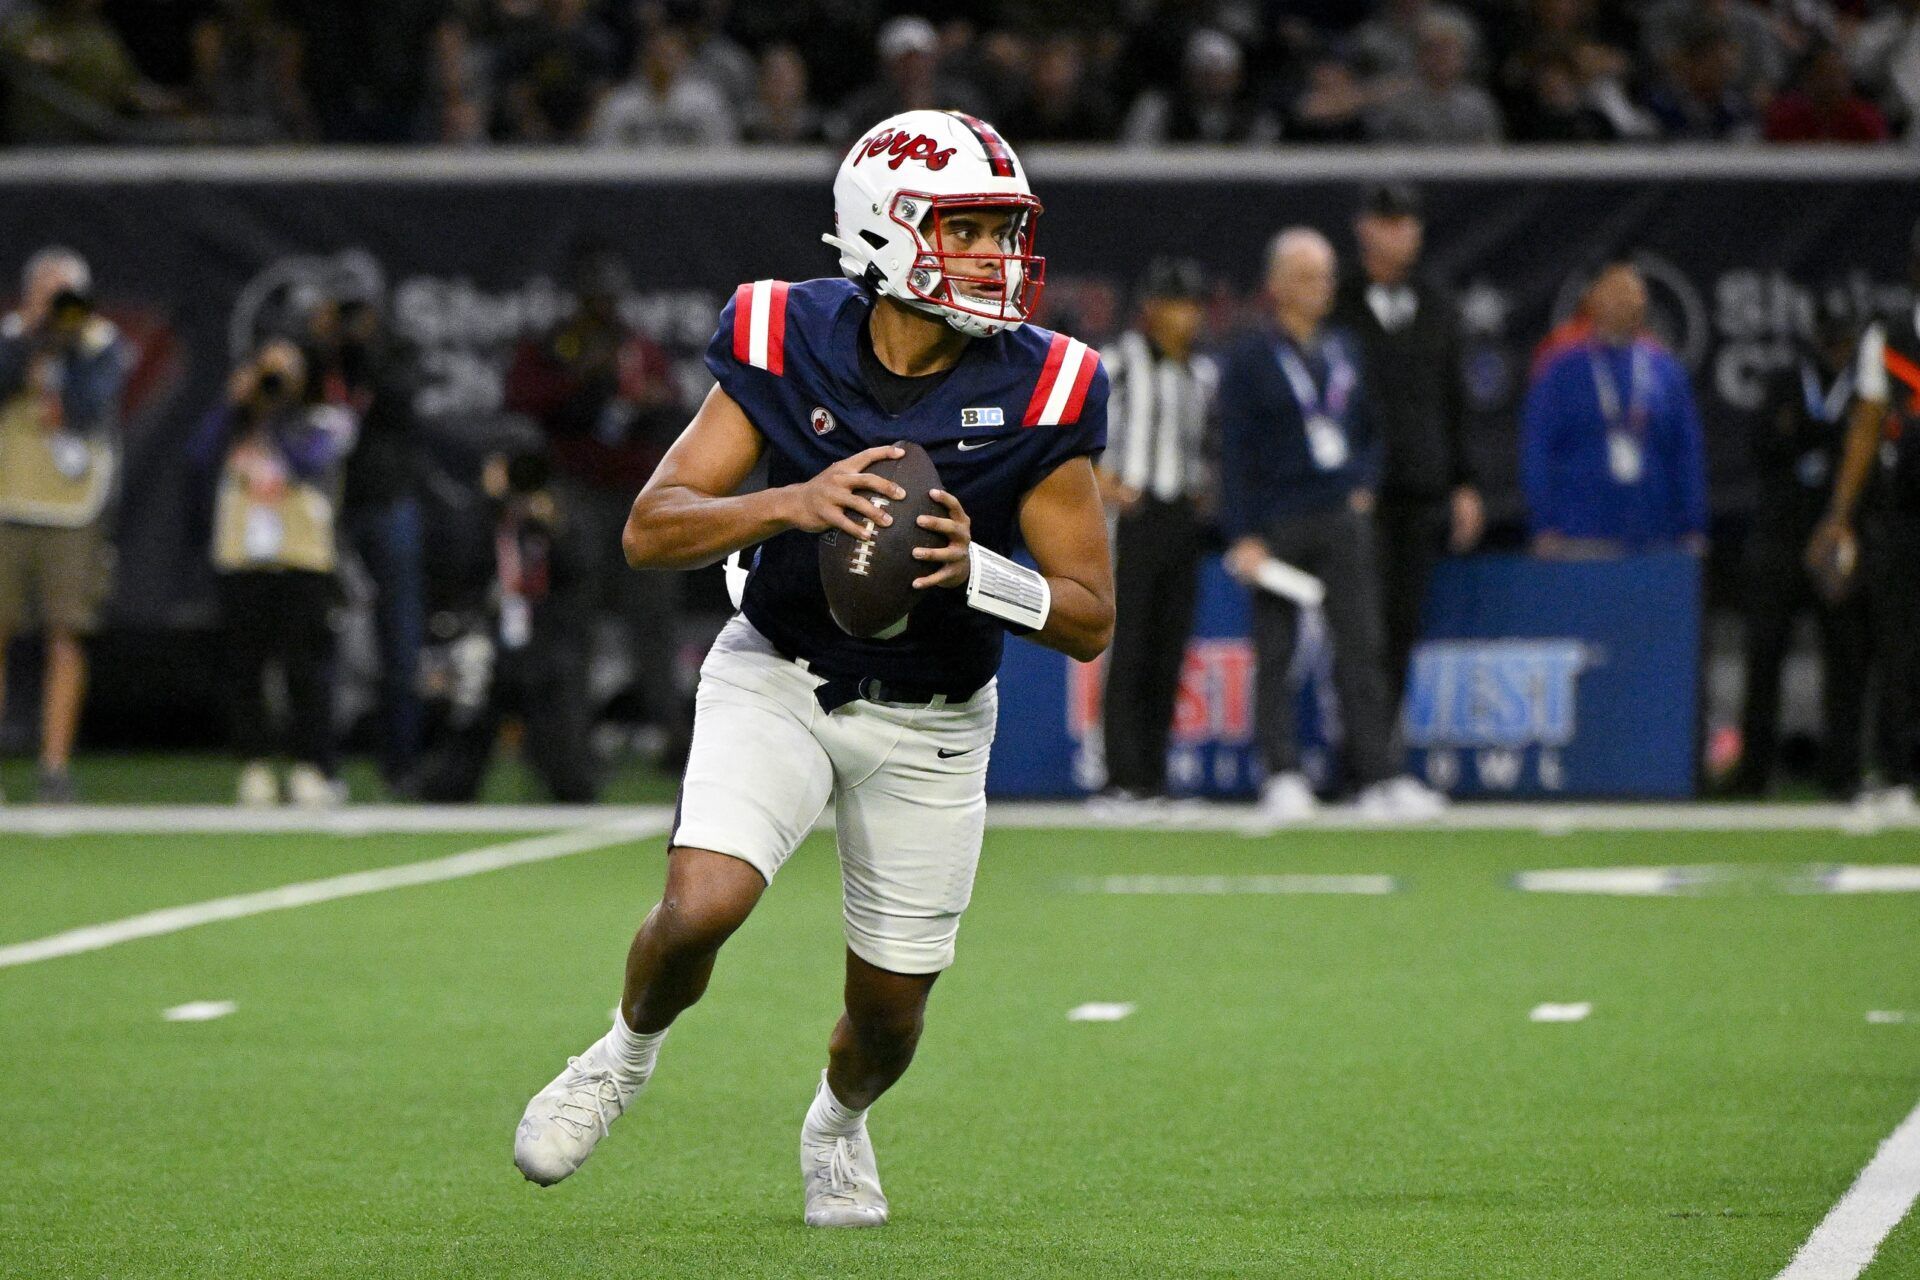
1310, 1086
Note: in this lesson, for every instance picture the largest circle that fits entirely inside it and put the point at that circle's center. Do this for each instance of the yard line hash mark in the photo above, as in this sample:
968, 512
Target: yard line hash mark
473, 862
1844, 1243
199, 1011
1098, 1011
1576, 1012
1143, 884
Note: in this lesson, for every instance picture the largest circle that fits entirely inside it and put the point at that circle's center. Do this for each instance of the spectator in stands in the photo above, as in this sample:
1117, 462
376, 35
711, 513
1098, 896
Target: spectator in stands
1300, 461
1757, 59
1428, 503
1824, 106
1331, 104
532, 601
911, 80
1612, 456
234, 86
1551, 108
1798, 438
362, 65
781, 110
1697, 100
664, 103
1388, 44
354, 362
713, 55
1213, 103
603, 395
69, 76
1885, 57
551, 68
1155, 479
274, 460
1059, 103
62, 368
1441, 106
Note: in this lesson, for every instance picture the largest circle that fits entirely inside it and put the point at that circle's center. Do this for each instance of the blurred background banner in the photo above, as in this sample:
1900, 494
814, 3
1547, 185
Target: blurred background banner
1537, 678
1541, 678
200, 255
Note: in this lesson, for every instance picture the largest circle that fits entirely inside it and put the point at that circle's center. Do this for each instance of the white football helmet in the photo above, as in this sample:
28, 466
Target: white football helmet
889, 196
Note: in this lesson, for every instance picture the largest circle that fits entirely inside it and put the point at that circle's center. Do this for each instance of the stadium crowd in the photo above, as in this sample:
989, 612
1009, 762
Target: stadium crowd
609, 73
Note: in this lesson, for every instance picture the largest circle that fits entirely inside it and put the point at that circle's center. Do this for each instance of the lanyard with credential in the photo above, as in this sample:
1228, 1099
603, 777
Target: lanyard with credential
1626, 433
1321, 413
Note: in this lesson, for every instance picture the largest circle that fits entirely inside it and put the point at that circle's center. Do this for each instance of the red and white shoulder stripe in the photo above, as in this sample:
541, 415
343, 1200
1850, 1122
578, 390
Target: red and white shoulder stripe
1064, 379
760, 325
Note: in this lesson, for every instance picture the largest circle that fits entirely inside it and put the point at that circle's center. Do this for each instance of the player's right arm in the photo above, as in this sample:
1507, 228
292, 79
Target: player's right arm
691, 514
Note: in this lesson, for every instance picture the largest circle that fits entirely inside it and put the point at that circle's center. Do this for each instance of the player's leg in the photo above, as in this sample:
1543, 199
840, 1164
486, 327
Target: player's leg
910, 814
756, 780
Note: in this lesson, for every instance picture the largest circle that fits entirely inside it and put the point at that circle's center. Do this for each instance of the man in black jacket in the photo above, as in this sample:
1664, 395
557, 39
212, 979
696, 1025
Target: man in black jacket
1408, 330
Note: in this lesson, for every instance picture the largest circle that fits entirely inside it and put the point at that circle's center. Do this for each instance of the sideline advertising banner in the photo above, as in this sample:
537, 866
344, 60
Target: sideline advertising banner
1536, 679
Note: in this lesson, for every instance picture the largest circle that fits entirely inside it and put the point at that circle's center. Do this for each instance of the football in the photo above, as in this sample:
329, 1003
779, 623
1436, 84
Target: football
869, 582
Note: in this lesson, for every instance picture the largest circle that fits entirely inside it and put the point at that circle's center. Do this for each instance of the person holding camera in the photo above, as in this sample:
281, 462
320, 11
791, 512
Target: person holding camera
276, 462
531, 596
62, 369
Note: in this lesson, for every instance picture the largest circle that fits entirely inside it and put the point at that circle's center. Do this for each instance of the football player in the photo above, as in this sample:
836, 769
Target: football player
925, 339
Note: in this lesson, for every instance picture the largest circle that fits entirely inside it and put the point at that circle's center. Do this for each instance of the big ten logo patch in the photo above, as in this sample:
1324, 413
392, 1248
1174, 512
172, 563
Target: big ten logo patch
991, 416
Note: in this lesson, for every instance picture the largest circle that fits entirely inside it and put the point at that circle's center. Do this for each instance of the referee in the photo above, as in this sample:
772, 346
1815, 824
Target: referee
1153, 477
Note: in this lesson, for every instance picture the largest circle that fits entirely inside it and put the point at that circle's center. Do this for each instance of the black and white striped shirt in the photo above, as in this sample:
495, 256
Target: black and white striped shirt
1157, 419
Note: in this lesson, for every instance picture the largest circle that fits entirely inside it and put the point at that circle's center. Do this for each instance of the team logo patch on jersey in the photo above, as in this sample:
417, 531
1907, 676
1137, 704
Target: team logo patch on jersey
822, 420
990, 416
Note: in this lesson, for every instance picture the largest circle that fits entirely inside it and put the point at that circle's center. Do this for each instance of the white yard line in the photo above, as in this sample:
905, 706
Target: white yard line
1844, 1243
1546, 818
152, 924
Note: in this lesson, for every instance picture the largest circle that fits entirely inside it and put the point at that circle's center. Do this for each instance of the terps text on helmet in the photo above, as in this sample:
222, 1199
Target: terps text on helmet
900, 146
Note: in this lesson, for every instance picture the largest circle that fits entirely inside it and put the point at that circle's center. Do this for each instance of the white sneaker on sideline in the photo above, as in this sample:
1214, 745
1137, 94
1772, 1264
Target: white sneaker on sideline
258, 788
566, 1120
842, 1180
308, 788
1287, 799
1401, 799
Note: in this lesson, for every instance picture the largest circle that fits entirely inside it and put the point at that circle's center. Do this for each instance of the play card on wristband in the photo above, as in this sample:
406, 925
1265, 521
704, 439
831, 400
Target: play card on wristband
1008, 591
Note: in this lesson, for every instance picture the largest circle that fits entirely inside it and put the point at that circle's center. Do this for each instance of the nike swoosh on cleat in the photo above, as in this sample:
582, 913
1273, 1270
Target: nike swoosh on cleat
966, 445
945, 754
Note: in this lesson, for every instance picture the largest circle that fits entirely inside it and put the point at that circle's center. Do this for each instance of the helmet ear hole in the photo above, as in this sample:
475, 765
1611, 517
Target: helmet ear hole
873, 238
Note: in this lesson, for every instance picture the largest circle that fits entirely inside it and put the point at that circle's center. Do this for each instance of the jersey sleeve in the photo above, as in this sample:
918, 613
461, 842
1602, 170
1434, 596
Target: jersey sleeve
1082, 430
751, 341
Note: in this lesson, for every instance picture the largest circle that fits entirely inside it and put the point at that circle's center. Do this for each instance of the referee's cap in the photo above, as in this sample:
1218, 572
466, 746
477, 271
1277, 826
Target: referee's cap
1176, 279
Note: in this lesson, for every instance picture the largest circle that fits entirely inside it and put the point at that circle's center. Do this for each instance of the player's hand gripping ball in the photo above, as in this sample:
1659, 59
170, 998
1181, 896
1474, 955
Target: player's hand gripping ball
869, 579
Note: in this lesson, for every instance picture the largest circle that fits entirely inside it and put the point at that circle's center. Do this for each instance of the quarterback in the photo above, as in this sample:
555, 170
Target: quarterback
925, 340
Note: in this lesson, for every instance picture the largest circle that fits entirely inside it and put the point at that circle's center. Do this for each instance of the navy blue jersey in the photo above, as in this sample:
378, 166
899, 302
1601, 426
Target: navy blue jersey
1016, 406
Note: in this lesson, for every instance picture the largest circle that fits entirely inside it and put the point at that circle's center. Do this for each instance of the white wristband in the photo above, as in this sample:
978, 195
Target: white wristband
1008, 591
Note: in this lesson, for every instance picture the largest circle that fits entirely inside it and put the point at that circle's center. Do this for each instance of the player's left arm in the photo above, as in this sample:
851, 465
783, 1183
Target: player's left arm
1065, 529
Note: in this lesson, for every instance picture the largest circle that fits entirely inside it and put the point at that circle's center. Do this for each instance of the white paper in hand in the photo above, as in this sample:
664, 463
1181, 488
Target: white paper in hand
1289, 583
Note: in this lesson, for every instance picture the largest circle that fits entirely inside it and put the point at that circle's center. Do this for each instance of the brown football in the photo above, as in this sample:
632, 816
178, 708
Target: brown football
869, 582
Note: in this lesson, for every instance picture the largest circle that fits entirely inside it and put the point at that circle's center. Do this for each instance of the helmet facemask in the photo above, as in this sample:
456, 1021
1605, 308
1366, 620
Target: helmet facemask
937, 282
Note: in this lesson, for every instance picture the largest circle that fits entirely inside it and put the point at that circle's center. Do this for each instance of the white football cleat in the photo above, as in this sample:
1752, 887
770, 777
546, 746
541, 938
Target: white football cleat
258, 788
842, 1180
308, 788
565, 1120
1287, 799
1401, 799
